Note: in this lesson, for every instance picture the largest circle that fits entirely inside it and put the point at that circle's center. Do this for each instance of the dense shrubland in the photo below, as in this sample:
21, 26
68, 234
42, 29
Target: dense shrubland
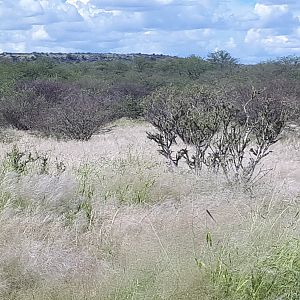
65, 109
52, 97
100, 216
227, 115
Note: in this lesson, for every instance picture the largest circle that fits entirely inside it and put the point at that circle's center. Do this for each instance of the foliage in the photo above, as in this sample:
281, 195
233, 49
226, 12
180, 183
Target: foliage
290, 60
79, 117
19, 161
125, 99
217, 132
48, 95
222, 58
58, 109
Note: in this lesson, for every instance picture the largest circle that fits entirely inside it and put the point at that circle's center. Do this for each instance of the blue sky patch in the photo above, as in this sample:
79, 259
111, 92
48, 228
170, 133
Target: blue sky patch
250, 30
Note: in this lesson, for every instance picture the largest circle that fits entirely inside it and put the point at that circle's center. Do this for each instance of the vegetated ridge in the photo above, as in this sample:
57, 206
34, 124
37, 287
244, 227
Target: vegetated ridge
80, 57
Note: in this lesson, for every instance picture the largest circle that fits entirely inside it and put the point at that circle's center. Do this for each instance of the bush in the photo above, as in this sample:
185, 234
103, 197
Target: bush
126, 99
79, 117
221, 134
58, 109
21, 109
222, 58
30, 102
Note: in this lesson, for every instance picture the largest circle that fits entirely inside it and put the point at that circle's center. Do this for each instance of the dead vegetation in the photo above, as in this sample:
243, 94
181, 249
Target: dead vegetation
106, 219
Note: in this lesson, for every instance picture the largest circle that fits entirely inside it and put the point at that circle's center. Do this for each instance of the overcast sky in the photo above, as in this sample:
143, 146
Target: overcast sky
251, 30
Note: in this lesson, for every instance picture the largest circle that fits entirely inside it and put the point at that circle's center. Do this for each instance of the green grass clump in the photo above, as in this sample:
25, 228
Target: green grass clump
273, 274
21, 162
129, 180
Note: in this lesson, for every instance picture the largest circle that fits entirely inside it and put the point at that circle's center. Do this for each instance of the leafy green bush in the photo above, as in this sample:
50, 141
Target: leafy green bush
222, 58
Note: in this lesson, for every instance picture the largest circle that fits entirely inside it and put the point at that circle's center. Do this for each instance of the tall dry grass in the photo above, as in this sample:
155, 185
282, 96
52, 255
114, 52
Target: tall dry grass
107, 219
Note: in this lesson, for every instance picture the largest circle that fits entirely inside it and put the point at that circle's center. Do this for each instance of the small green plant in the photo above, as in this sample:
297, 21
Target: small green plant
134, 181
86, 188
19, 161
60, 166
4, 198
86, 191
134, 191
44, 164
86, 206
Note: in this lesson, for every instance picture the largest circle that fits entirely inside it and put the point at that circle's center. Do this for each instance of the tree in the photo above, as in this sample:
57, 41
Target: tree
195, 66
290, 60
222, 58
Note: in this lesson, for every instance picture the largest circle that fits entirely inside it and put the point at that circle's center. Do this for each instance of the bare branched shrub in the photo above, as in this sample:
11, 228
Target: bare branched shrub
59, 109
221, 134
163, 109
21, 109
199, 124
79, 117
52, 91
27, 106
246, 134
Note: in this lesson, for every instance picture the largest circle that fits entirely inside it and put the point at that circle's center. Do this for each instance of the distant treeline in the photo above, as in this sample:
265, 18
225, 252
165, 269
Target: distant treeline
73, 98
78, 57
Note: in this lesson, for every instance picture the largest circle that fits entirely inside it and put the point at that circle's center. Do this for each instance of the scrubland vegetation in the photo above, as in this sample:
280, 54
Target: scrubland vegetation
89, 209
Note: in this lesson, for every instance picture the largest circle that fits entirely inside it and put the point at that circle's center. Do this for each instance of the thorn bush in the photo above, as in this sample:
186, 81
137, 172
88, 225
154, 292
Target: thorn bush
228, 132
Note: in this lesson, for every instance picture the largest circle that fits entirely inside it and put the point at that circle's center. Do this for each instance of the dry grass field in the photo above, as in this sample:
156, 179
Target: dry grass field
107, 219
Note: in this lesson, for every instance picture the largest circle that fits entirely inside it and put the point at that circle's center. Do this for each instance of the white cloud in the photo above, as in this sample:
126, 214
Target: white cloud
230, 44
275, 32
32, 7
77, 2
14, 47
180, 27
278, 2
276, 16
39, 33
253, 36
268, 11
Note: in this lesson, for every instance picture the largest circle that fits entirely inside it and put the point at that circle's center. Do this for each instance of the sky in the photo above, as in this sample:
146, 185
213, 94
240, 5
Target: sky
251, 30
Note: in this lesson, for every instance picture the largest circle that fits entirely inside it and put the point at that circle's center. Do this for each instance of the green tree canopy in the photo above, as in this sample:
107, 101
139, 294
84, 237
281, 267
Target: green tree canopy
222, 58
